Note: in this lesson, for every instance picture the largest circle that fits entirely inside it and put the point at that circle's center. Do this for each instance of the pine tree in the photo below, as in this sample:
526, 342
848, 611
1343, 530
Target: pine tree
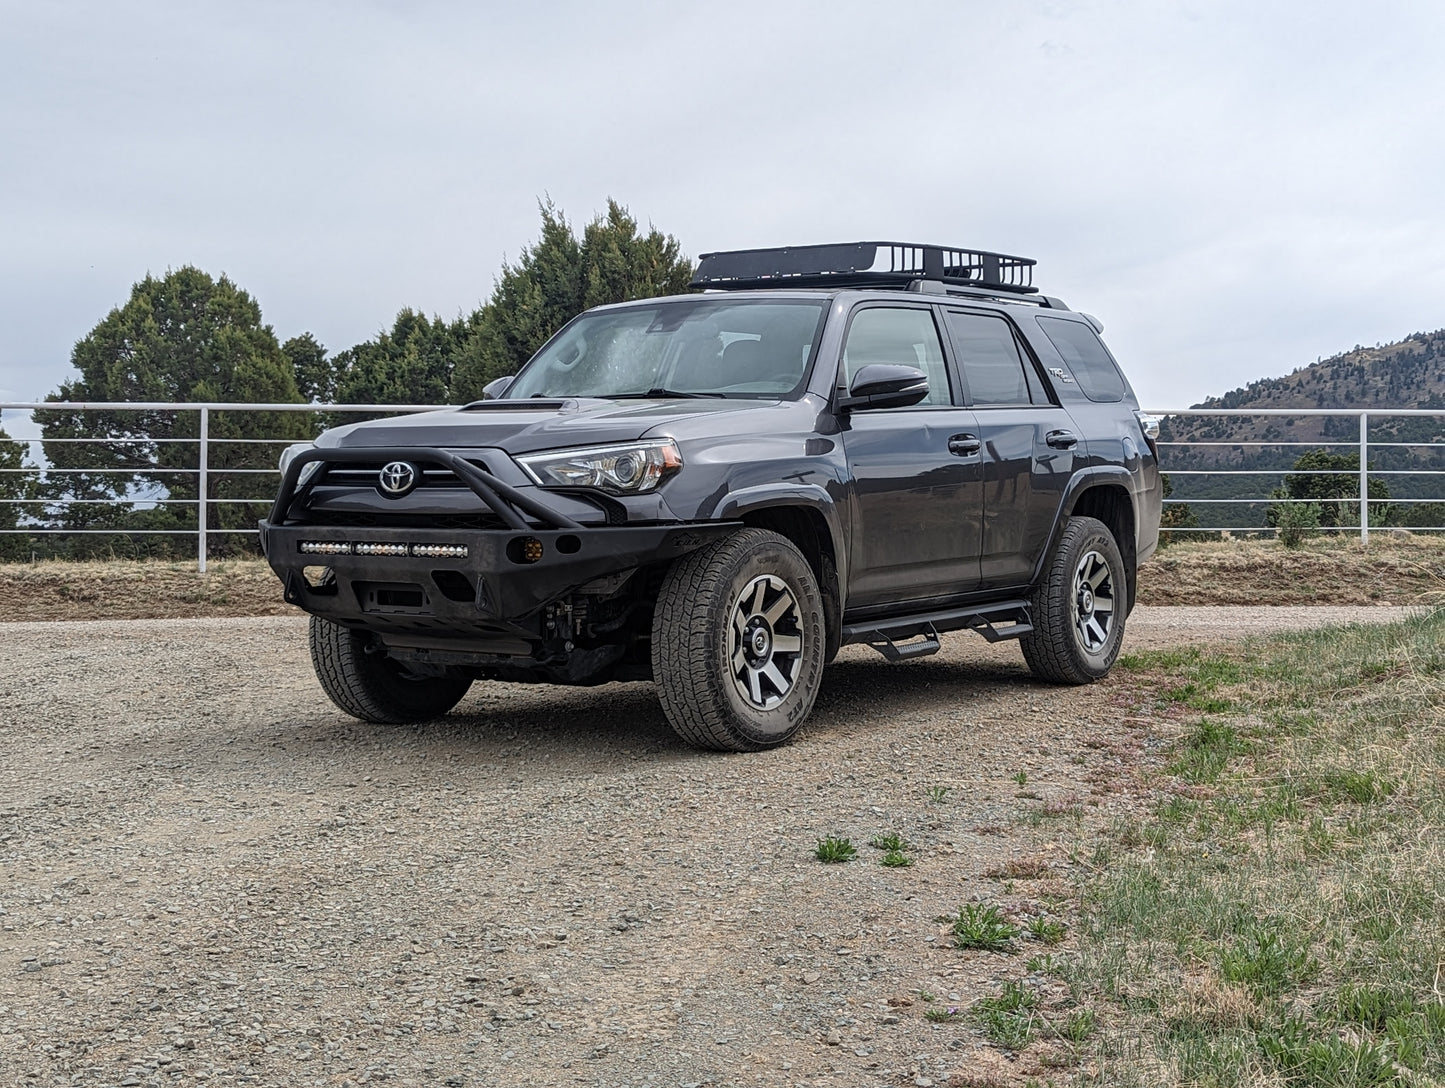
557, 278
184, 337
17, 483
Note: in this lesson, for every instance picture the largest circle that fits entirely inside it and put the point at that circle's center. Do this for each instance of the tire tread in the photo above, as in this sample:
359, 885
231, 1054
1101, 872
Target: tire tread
1050, 650
356, 685
683, 648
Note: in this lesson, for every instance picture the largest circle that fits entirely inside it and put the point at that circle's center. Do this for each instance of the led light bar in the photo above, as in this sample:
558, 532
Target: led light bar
440, 551
421, 551
379, 549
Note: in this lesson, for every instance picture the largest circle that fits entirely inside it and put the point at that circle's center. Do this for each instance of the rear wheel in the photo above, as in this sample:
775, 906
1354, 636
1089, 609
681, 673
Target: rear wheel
1079, 607
371, 686
738, 642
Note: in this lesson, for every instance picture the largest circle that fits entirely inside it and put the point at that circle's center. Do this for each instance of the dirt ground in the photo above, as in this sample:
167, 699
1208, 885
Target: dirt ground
209, 875
1328, 571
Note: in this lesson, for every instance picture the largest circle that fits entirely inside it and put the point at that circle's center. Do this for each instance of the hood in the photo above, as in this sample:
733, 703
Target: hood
522, 426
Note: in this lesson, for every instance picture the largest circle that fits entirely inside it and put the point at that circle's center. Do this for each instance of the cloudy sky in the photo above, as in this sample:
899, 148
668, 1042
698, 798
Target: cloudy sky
1234, 188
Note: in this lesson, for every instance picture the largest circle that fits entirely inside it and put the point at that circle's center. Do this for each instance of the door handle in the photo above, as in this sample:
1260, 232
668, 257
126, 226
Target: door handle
1062, 440
964, 445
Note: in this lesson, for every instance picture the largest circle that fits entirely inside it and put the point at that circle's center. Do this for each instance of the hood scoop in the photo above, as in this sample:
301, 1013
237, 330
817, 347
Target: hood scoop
571, 404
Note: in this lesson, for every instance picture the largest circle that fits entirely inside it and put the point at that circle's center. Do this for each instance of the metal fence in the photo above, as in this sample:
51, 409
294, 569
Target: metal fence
30, 523
1362, 446
202, 469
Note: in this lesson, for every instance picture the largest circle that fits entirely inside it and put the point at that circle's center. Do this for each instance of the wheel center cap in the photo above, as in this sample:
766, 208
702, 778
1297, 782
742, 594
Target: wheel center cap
760, 642
1086, 601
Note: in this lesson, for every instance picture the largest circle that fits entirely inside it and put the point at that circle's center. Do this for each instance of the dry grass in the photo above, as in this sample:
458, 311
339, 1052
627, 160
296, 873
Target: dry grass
1393, 569
1280, 919
138, 589
1207, 1001
1020, 869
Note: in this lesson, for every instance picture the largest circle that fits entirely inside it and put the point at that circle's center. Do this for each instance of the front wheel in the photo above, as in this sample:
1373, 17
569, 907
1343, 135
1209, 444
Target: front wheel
371, 686
1079, 607
738, 642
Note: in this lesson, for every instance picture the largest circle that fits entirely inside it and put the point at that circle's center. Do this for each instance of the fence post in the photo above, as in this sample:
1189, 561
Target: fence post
202, 490
1364, 478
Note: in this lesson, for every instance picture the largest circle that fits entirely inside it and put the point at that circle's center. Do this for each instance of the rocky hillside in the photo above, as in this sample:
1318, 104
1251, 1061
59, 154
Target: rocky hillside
1407, 374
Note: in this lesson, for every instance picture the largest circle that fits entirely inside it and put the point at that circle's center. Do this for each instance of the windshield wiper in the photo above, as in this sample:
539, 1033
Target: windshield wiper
659, 393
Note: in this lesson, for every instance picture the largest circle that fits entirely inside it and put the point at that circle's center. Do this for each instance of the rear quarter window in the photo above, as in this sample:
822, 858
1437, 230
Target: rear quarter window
1088, 360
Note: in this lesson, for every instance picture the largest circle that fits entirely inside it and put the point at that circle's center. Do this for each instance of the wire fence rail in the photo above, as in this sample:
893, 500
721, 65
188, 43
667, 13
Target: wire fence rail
205, 472
1361, 445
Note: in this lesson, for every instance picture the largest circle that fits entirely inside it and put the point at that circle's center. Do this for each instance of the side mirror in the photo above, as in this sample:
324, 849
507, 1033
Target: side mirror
885, 385
494, 389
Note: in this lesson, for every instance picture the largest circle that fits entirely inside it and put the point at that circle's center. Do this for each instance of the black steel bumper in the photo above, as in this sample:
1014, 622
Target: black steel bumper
497, 587
467, 583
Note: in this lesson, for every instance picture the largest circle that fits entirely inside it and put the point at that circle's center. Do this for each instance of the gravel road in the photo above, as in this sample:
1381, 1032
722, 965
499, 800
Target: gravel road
209, 874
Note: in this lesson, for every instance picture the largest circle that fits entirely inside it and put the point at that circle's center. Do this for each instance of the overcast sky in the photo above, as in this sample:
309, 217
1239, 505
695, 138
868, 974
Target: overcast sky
1234, 188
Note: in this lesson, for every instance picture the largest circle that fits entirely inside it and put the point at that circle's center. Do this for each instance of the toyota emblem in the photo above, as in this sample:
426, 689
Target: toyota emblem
397, 479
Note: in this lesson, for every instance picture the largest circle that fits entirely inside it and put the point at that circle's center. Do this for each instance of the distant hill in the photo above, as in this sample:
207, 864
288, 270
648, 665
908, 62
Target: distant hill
1407, 374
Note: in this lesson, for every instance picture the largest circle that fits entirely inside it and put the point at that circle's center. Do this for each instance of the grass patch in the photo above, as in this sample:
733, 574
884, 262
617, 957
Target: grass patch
889, 842
1204, 755
1192, 677
1280, 918
893, 846
1361, 787
1009, 1020
1077, 1026
1041, 929
835, 851
951, 1014
1267, 960
983, 928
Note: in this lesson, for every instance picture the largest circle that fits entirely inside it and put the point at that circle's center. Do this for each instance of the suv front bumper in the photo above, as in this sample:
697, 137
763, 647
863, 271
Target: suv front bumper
462, 583
455, 583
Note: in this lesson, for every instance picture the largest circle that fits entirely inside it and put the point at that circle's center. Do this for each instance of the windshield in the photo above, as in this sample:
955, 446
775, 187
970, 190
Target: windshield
710, 347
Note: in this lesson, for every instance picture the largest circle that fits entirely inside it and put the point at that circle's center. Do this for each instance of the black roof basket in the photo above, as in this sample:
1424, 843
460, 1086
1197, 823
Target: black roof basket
863, 264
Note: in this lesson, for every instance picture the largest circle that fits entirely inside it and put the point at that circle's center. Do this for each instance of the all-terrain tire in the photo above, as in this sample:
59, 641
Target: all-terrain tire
738, 641
1079, 607
373, 687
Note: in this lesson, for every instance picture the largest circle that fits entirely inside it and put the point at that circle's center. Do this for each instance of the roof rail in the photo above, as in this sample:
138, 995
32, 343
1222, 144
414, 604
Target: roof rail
863, 264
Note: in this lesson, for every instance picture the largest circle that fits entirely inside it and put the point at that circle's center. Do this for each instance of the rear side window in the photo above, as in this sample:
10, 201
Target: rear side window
1089, 361
988, 354
902, 337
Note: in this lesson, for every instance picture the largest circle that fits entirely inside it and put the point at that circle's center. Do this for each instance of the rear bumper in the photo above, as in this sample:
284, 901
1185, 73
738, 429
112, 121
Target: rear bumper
483, 584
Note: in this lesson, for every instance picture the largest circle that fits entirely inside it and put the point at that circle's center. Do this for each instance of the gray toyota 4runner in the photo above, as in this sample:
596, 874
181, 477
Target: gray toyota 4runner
860, 443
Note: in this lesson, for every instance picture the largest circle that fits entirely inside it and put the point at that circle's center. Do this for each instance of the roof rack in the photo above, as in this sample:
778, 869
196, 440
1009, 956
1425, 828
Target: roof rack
863, 264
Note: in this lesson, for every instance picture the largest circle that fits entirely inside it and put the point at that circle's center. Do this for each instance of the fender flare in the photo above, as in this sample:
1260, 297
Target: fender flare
1083, 480
735, 504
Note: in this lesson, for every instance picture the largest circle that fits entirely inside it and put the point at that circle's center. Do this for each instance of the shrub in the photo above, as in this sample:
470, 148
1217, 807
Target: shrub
1295, 522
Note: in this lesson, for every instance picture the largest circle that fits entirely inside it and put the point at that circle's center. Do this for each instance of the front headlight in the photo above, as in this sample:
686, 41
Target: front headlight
289, 454
629, 469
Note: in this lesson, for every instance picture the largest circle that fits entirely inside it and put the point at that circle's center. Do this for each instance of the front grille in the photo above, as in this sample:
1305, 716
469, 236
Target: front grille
366, 475
348, 520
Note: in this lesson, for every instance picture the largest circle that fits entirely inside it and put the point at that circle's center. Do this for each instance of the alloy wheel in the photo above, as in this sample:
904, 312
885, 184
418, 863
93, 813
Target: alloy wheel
765, 641
1093, 597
